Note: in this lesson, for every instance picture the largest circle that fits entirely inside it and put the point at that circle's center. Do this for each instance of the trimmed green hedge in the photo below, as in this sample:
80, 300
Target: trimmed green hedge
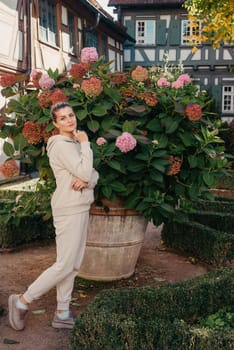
160, 318
219, 221
201, 241
226, 182
28, 229
219, 204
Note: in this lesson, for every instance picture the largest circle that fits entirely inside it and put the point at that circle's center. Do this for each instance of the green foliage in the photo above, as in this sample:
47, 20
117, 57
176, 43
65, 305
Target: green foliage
161, 317
210, 228
178, 156
217, 19
222, 319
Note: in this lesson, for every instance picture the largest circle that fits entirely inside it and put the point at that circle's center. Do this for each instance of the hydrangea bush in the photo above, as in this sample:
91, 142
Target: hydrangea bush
156, 144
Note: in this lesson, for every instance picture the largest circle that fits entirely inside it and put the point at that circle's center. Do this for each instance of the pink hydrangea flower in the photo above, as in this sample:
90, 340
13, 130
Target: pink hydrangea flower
125, 142
9, 169
92, 87
35, 74
185, 78
7, 80
178, 84
89, 55
100, 141
140, 74
163, 82
45, 82
193, 112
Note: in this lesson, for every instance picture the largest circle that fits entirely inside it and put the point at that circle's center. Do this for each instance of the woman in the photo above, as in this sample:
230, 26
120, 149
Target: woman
71, 160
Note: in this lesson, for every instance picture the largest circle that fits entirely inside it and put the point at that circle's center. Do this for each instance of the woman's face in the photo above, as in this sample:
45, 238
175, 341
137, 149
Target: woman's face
65, 121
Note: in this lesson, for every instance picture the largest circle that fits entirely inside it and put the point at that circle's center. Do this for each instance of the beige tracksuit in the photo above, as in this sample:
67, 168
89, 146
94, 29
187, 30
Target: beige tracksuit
68, 159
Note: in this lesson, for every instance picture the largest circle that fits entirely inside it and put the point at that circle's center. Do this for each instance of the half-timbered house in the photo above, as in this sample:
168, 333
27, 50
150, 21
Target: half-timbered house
162, 26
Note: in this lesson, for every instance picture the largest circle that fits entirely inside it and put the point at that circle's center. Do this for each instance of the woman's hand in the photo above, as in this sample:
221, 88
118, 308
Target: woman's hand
80, 136
78, 184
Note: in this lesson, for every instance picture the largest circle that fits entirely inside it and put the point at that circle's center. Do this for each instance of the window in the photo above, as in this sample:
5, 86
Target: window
47, 22
71, 31
145, 32
189, 29
228, 99
91, 40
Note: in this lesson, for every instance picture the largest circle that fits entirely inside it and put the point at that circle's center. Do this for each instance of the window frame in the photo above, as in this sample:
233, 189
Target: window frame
145, 37
225, 95
186, 27
48, 26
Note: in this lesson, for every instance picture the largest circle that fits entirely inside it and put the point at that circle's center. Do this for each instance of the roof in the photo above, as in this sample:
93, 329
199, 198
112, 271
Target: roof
145, 2
96, 8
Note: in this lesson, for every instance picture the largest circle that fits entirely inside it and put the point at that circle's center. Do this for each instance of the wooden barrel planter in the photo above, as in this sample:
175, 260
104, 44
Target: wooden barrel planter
113, 244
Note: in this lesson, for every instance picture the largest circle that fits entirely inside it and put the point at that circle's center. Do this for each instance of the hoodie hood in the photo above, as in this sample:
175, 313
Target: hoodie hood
57, 138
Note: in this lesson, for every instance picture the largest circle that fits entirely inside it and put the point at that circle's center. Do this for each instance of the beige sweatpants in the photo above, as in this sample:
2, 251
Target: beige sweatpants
71, 233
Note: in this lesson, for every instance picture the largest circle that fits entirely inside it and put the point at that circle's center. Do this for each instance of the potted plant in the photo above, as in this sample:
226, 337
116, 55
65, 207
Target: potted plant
156, 144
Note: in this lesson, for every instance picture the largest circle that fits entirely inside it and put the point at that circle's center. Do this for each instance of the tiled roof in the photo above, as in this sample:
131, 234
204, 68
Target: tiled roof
145, 2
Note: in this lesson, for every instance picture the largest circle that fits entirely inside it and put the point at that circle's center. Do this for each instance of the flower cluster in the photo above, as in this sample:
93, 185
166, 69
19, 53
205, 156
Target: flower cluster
32, 132
92, 87
125, 142
7, 80
175, 165
140, 74
193, 112
9, 169
89, 55
45, 82
155, 143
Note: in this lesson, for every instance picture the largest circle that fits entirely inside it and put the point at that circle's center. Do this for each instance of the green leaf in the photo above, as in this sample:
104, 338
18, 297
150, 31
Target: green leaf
81, 114
99, 110
192, 161
108, 122
129, 126
118, 186
49, 127
179, 108
107, 191
114, 164
156, 176
162, 141
156, 165
43, 120
10, 341
159, 153
136, 166
33, 151
8, 149
171, 126
186, 138
155, 125
17, 107
93, 125
208, 178
19, 142
113, 94
135, 110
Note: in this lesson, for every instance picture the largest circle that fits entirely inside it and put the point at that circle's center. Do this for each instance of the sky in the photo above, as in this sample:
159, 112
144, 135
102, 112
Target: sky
104, 3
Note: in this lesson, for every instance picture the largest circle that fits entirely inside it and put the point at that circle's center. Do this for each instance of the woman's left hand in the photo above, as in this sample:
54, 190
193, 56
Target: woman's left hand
78, 184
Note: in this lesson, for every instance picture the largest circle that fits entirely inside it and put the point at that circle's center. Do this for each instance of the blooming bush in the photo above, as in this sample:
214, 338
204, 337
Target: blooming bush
155, 143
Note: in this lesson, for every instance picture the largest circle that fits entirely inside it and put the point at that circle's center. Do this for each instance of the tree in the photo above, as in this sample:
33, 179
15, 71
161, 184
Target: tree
217, 18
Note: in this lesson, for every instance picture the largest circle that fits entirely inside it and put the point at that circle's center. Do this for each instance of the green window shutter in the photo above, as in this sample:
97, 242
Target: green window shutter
130, 24
161, 32
174, 32
216, 94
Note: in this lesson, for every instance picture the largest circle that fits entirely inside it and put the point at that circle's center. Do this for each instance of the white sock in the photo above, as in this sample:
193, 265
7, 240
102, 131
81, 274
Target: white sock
21, 305
63, 315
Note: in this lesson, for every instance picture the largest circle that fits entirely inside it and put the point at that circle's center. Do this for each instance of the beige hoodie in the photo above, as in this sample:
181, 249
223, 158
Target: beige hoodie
70, 159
